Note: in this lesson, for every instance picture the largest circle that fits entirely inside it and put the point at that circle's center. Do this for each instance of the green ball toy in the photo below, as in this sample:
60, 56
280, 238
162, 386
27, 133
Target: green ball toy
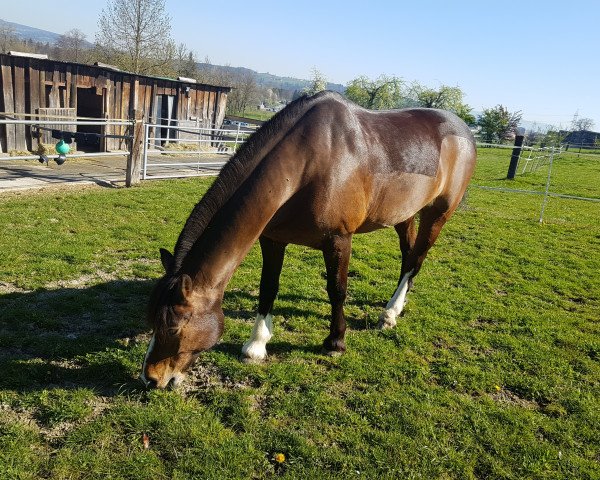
62, 147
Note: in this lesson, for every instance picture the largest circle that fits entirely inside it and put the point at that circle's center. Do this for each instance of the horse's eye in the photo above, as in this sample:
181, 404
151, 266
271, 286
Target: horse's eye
173, 331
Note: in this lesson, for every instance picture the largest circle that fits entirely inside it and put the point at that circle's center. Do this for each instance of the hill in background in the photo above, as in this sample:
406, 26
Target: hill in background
24, 32
291, 85
268, 80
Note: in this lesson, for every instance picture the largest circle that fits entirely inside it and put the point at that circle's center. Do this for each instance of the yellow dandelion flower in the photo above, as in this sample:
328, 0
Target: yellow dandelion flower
497, 387
279, 457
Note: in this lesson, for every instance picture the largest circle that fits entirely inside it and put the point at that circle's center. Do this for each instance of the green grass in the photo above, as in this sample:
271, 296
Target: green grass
571, 174
256, 114
492, 372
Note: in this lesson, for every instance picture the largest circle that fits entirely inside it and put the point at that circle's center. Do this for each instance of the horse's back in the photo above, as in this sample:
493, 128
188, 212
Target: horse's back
365, 170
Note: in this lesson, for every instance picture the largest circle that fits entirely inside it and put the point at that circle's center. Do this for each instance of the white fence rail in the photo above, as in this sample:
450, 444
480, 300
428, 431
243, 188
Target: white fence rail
182, 151
45, 124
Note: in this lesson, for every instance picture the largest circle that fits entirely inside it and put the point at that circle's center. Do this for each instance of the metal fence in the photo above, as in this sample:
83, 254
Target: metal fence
65, 128
549, 173
172, 151
169, 149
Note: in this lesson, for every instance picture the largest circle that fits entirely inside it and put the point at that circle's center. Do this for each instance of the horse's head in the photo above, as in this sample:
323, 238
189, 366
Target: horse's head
183, 323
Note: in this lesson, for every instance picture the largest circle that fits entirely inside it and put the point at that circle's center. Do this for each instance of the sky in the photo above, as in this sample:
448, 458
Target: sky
537, 57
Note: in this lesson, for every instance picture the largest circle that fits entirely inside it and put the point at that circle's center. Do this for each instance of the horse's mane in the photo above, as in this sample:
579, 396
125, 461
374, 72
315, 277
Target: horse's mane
237, 170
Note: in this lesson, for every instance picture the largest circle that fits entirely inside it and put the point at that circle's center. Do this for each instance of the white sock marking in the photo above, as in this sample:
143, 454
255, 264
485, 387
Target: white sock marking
150, 347
394, 307
256, 347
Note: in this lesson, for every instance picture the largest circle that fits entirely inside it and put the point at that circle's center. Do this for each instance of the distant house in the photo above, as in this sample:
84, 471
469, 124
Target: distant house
581, 138
45, 89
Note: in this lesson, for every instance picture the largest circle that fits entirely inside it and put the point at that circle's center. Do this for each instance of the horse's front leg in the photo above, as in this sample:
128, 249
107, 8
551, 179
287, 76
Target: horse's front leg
255, 349
336, 252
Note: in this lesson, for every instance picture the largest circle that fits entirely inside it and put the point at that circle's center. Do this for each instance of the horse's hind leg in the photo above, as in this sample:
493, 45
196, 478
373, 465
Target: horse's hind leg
407, 235
255, 349
432, 219
336, 252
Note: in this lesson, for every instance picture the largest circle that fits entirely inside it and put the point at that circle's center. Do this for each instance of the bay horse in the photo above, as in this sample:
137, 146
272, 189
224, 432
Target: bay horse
319, 171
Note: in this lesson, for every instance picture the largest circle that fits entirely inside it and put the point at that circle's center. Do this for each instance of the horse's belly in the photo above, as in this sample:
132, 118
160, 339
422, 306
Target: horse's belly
395, 199
311, 216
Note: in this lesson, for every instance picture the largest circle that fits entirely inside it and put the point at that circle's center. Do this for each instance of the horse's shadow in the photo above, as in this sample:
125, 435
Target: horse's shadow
73, 337
53, 177
286, 305
234, 349
95, 337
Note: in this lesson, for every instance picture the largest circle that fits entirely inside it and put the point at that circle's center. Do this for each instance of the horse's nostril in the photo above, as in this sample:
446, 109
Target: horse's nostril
148, 382
151, 383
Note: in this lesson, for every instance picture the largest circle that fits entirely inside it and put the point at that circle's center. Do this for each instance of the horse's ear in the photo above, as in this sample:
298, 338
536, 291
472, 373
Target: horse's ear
186, 286
167, 259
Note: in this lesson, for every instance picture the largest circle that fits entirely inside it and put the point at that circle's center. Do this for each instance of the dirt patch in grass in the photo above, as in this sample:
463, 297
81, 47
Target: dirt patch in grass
207, 376
511, 398
482, 322
51, 433
6, 288
102, 276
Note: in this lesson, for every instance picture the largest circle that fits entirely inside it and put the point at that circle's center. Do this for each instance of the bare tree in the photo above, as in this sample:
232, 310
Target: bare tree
71, 46
135, 35
213, 75
579, 124
244, 91
185, 63
7, 37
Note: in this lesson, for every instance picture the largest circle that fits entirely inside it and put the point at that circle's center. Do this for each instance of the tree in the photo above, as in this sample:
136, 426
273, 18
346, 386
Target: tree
498, 123
185, 63
465, 112
553, 137
382, 93
7, 37
135, 35
445, 98
215, 75
71, 46
318, 83
244, 91
533, 136
579, 124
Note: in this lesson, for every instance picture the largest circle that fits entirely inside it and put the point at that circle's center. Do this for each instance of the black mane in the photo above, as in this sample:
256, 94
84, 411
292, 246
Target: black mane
237, 170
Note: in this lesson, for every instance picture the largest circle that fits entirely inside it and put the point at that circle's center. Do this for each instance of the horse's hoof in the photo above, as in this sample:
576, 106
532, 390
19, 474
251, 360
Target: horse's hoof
253, 352
333, 348
386, 321
252, 361
333, 353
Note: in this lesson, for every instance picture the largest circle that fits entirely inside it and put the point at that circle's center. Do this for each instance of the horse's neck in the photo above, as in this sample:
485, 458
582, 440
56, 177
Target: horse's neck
234, 229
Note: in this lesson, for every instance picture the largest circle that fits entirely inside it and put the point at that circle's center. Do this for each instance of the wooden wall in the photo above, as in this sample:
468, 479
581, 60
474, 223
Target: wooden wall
29, 84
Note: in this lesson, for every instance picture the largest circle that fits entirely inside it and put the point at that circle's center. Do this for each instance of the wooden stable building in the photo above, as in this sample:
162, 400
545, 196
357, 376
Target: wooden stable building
54, 90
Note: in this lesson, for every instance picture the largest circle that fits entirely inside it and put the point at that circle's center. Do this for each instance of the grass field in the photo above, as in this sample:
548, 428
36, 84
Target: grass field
493, 371
256, 114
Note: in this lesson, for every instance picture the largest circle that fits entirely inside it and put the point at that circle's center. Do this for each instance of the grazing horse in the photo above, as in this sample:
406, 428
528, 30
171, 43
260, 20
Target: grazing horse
318, 172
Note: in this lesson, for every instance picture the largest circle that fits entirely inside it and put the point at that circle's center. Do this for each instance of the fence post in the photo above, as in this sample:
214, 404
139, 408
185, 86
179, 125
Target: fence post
134, 159
547, 185
145, 149
516, 153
